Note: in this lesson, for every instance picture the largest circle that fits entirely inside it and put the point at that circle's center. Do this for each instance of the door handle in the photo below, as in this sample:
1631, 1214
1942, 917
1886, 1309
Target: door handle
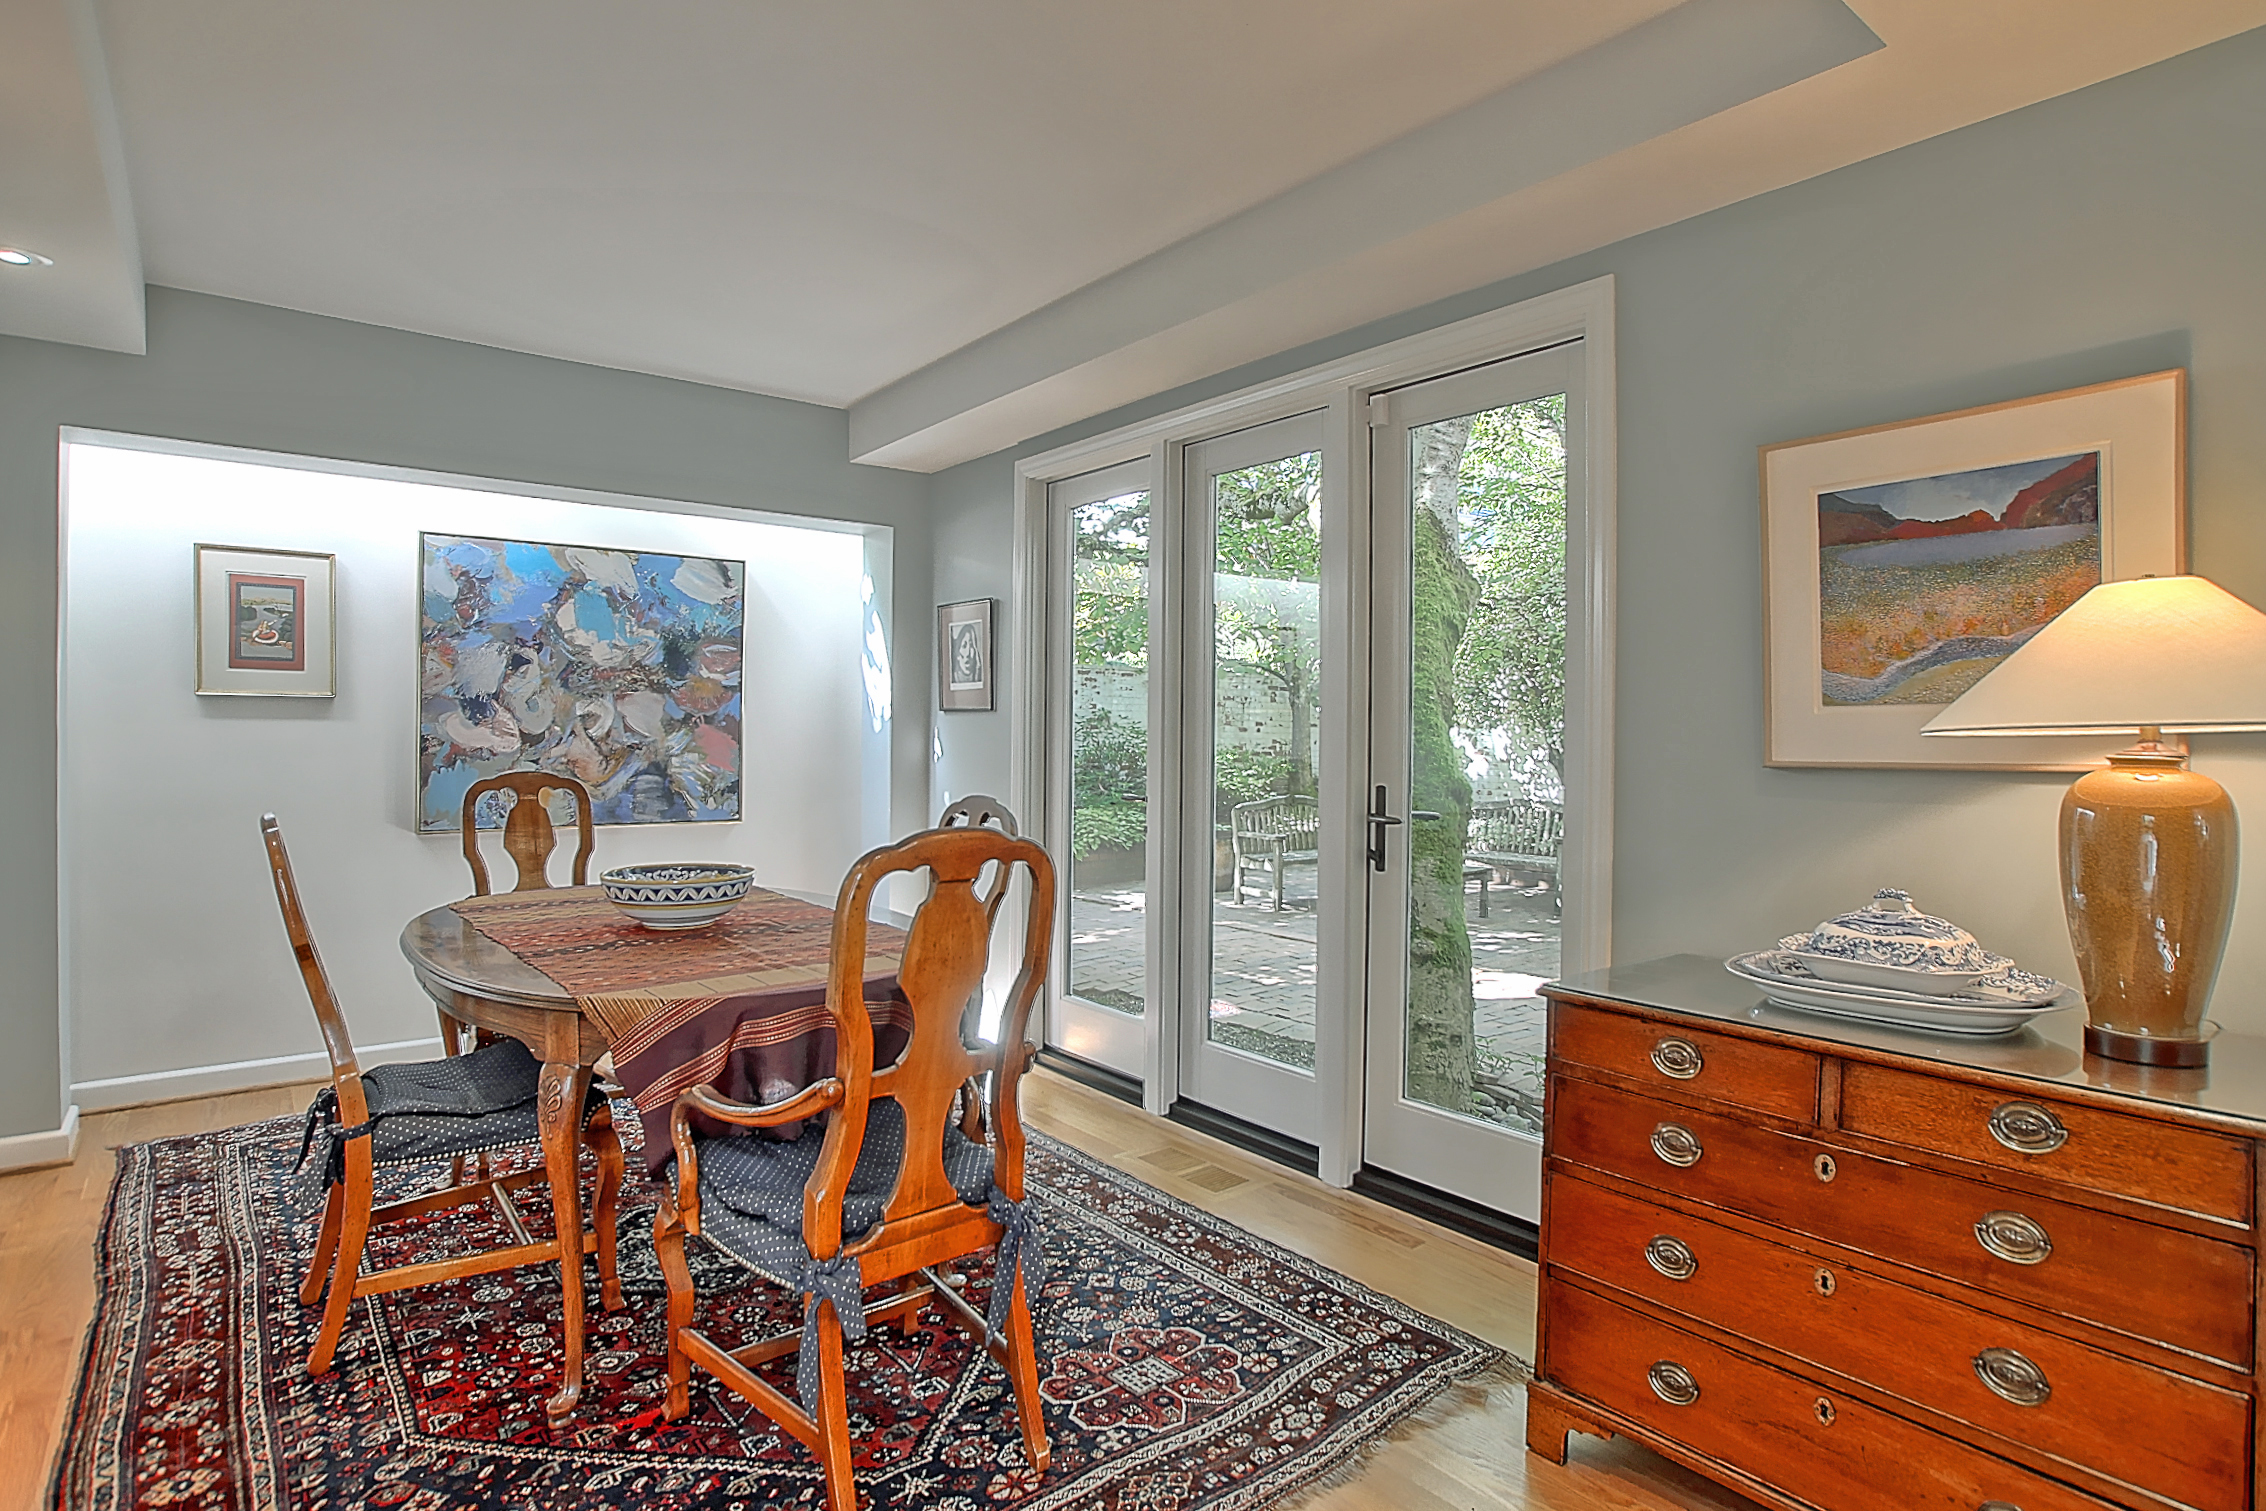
1423, 816
1379, 822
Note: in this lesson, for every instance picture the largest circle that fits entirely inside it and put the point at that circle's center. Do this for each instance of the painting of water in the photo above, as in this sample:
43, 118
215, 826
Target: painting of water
1926, 584
619, 668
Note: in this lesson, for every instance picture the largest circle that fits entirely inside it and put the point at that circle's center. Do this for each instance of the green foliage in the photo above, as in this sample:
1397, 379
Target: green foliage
1510, 666
1267, 528
1110, 559
1107, 826
1109, 783
1240, 775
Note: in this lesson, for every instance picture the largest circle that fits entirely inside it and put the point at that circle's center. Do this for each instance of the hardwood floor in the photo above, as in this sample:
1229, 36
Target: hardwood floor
1461, 1455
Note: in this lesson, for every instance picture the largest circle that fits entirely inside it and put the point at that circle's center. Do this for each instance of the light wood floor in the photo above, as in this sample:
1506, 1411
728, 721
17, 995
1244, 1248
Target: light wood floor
1469, 1458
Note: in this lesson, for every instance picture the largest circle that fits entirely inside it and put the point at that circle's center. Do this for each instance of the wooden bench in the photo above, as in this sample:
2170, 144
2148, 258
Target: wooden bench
1271, 835
1517, 835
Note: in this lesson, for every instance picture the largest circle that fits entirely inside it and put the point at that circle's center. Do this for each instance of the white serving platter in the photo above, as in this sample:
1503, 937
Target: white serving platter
1980, 1010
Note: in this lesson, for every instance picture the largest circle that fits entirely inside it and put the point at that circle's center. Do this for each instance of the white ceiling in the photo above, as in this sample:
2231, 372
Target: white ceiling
970, 221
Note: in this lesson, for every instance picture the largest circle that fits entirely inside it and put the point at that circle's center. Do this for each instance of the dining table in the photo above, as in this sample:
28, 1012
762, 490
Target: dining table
738, 1004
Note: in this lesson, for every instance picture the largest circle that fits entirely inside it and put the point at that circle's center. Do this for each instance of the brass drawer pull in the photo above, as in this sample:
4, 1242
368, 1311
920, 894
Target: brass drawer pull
2012, 1377
1998, 1506
1678, 1059
1677, 1145
2014, 1238
2027, 1128
1672, 1383
1671, 1257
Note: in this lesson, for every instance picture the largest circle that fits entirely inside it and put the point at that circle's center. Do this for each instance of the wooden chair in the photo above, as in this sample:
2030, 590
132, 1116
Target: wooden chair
529, 839
1273, 834
896, 1188
436, 1110
529, 836
979, 811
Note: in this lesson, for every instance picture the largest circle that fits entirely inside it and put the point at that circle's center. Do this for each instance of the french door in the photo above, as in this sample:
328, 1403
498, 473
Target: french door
1101, 630
1321, 743
1251, 763
1475, 759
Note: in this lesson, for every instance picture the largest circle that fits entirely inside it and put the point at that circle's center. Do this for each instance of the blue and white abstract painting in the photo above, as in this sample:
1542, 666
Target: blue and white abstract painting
619, 668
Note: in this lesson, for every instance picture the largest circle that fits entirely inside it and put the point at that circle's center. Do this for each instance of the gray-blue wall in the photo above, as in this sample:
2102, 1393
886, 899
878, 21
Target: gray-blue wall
246, 375
2114, 231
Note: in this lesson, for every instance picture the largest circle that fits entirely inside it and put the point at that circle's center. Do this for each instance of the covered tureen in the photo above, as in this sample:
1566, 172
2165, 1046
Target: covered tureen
1889, 942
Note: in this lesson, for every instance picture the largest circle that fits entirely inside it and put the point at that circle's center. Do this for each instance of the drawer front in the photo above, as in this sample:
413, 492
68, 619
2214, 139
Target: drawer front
2164, 1432
2135, 1277
1813, 1443
1689, 1061
2088, 1147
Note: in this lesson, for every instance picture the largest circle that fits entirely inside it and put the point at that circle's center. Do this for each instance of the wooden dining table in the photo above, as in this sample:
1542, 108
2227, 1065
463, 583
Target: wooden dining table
481, 981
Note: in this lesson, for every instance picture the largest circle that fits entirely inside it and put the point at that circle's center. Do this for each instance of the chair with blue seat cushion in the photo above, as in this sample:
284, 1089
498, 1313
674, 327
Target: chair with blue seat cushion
433, 1110
895, 1187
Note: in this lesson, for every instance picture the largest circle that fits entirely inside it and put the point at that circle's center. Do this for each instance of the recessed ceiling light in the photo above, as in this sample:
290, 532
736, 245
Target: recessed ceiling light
17, 257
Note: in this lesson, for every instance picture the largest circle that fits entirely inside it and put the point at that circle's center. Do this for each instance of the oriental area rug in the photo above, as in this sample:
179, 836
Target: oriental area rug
1186, 1365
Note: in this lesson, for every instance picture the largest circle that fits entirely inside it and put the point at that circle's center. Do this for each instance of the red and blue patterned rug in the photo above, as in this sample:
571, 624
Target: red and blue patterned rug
1187, 1366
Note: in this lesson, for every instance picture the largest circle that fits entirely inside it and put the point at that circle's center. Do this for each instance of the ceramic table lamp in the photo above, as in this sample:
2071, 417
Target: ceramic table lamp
2147, 845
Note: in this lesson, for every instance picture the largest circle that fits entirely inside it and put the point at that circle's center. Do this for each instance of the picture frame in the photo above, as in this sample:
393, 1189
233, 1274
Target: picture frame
266, 622
964, 658
1902, 561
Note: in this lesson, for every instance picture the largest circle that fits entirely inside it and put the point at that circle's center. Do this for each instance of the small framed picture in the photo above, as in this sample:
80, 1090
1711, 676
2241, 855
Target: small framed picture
266, 623
1904, 561
963, 655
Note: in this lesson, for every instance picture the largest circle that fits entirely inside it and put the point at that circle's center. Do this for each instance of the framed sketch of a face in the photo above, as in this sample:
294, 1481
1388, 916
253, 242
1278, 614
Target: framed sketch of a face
963, 655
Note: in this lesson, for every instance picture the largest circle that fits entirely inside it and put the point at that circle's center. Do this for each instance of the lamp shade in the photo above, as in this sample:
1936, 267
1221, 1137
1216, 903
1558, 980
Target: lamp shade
2181, 654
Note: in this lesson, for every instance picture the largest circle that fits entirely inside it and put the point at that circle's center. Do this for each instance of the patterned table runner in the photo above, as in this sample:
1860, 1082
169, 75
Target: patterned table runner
739, 1004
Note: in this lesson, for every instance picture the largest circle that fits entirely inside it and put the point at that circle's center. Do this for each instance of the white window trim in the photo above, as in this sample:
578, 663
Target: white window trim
1584, 311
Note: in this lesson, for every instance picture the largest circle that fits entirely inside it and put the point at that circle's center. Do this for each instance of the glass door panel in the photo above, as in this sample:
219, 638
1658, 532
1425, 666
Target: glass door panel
1469, 678
1101, 529
1253, 720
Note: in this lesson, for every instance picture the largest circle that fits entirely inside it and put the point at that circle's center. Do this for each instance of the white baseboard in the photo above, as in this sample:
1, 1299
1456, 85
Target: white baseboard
237, 1075
53, 1146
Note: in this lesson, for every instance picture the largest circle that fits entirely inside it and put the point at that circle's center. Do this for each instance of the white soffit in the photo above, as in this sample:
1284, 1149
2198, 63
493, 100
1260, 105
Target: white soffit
63, 183
808, 198
1943, 64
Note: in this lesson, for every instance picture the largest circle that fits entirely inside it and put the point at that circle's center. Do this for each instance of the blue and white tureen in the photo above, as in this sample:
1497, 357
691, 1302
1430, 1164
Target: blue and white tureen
1890, 942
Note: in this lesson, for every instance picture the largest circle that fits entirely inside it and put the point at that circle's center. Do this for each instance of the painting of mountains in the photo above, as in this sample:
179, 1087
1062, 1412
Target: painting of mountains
1925, 585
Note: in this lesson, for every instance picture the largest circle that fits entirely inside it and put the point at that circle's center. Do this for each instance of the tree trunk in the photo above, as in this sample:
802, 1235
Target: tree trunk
1443, 591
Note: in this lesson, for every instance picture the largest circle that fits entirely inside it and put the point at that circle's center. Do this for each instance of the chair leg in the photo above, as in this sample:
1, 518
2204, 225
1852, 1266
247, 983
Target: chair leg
607, 1145
326, 1244
353, 1231
669, 1248
1023, 1372
833, 1414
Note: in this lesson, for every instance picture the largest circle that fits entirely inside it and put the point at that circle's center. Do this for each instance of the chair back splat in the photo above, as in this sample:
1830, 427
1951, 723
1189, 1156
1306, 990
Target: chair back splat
529, 835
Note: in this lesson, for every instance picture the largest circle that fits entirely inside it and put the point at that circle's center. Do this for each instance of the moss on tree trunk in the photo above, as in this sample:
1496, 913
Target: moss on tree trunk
1443, 592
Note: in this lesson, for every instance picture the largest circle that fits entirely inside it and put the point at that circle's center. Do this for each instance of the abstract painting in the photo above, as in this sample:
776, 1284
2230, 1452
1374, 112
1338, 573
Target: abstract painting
265, 625
1904, 561
1925, 585
619, 668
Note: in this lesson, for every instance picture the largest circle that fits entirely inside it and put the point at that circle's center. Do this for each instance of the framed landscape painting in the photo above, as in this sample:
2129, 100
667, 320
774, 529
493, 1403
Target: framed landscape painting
619, 668
1903, 562
266, 626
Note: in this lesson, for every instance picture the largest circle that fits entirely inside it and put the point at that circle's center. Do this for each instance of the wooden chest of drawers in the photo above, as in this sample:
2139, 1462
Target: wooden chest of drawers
1847, 1268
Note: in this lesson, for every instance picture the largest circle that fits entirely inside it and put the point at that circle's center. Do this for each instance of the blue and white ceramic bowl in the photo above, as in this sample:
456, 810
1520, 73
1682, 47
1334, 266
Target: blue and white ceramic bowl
677, 896
1891, 943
